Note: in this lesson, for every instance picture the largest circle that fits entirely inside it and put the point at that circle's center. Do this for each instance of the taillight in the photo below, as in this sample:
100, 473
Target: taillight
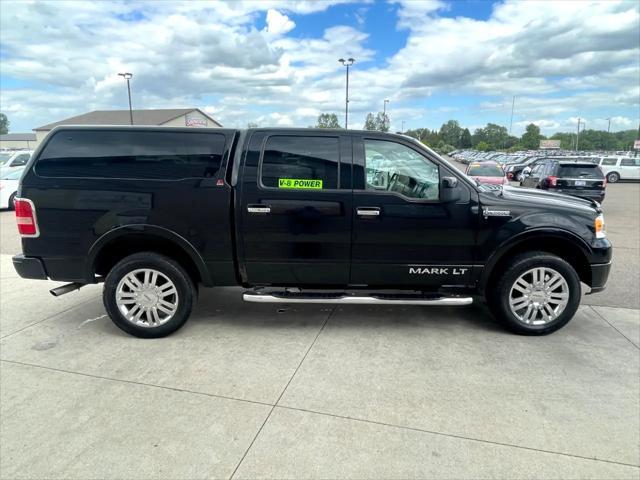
552, 181
26, 217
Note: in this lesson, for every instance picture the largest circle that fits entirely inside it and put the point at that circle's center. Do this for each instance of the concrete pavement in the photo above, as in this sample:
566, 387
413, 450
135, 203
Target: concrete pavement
260, 391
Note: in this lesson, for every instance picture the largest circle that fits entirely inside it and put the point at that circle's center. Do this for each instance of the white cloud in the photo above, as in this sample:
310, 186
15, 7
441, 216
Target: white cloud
277, 23
558, 58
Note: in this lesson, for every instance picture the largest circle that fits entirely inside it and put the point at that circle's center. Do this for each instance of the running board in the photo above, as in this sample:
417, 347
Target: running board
357, 299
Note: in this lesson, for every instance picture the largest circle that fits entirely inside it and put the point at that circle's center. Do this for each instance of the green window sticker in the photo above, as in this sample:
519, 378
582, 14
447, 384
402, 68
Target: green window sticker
300, 183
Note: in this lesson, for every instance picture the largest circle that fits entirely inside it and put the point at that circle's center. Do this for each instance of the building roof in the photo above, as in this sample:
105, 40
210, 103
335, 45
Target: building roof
121, 117
17, 137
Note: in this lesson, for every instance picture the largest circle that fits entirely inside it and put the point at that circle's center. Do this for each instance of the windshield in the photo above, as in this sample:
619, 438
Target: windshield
485, 171
4, 157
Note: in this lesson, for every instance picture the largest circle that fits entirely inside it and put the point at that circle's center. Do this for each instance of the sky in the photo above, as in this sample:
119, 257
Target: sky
275, 62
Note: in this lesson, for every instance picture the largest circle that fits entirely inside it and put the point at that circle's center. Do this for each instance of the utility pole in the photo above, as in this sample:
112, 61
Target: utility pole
127, 76
402, 129
513, 104
578, 133
384, 107
346, 63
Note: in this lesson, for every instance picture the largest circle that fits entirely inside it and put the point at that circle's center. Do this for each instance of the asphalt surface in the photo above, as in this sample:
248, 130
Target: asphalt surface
312, 391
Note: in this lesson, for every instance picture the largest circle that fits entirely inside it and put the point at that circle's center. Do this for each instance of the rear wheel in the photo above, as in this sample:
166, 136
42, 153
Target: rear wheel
148, 295
537, 294
613, 177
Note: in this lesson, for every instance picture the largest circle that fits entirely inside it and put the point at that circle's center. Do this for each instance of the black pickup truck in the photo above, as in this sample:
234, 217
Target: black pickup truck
295, 215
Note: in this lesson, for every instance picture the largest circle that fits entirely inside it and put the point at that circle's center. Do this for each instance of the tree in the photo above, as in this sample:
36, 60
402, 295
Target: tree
4, 124
483, 146
451, 133
370, 122
530, 139
382, 122
327, 120
465, 139
379, 122
495, 136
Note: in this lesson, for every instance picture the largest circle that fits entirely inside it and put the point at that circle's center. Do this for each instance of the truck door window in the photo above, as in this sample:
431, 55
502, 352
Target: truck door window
393, 167
300, 162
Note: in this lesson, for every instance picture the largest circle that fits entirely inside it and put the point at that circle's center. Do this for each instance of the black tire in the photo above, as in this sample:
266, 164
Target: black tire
12, 198
186, 293
498, 293
613, 177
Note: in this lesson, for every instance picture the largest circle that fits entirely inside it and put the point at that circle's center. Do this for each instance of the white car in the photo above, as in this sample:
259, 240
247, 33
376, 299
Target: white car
12, 160
9, 188
620, 168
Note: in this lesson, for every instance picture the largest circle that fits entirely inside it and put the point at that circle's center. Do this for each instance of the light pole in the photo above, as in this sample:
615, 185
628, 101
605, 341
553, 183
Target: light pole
127, 76
384, 106
346, 63
402, 129
578, 134
513, 104
609, 125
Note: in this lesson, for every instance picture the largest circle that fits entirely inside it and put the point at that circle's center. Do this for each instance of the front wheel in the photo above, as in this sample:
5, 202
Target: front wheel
537, 294
148, 295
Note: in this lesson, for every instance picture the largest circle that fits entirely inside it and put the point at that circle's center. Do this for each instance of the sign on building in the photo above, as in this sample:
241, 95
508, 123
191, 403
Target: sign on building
549, 144
636, 145
195, 121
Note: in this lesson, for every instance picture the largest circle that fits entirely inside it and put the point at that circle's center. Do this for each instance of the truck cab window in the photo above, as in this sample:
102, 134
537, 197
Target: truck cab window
301, 162
393, 167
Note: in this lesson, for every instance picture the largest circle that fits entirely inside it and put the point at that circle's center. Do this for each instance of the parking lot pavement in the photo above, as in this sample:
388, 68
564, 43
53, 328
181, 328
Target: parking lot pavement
312, 391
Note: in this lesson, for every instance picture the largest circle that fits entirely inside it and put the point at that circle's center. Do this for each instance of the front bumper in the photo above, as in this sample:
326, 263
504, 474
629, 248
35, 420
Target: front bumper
599, 275
29, 267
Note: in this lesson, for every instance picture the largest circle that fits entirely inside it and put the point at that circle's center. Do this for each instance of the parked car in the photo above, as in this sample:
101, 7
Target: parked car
581, 179
620, 168
514, 170
295, 216
13, 160
487, 172
8, 188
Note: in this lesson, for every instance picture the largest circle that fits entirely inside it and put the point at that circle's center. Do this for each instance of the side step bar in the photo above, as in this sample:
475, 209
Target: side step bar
357, 299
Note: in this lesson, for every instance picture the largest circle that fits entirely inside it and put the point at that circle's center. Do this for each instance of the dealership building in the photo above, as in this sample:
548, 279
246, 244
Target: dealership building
17, 141
174, 117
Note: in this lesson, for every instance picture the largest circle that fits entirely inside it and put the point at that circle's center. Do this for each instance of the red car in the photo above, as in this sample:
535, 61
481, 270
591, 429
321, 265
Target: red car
487, 172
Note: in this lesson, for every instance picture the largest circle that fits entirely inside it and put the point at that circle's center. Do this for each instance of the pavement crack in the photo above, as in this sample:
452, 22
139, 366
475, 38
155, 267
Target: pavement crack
133, 382
453, 435
235, 470
613, 326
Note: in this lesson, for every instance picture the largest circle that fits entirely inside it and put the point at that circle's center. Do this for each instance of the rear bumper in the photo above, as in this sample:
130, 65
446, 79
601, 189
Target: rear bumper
599, 275
29, 267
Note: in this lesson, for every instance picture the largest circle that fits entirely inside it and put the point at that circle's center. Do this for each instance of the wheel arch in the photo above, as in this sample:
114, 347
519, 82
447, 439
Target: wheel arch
562, 243
129, 239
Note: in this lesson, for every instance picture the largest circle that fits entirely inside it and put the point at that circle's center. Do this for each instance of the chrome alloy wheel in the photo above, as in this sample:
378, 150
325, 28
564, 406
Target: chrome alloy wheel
539, 296
147, 297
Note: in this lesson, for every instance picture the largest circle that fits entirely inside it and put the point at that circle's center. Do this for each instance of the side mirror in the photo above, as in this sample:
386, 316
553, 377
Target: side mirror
449, 191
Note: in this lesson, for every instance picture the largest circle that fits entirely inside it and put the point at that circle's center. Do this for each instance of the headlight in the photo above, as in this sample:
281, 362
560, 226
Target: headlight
599, 226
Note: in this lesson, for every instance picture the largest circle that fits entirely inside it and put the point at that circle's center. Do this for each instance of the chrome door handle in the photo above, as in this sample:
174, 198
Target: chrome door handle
368, 211
258, 209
